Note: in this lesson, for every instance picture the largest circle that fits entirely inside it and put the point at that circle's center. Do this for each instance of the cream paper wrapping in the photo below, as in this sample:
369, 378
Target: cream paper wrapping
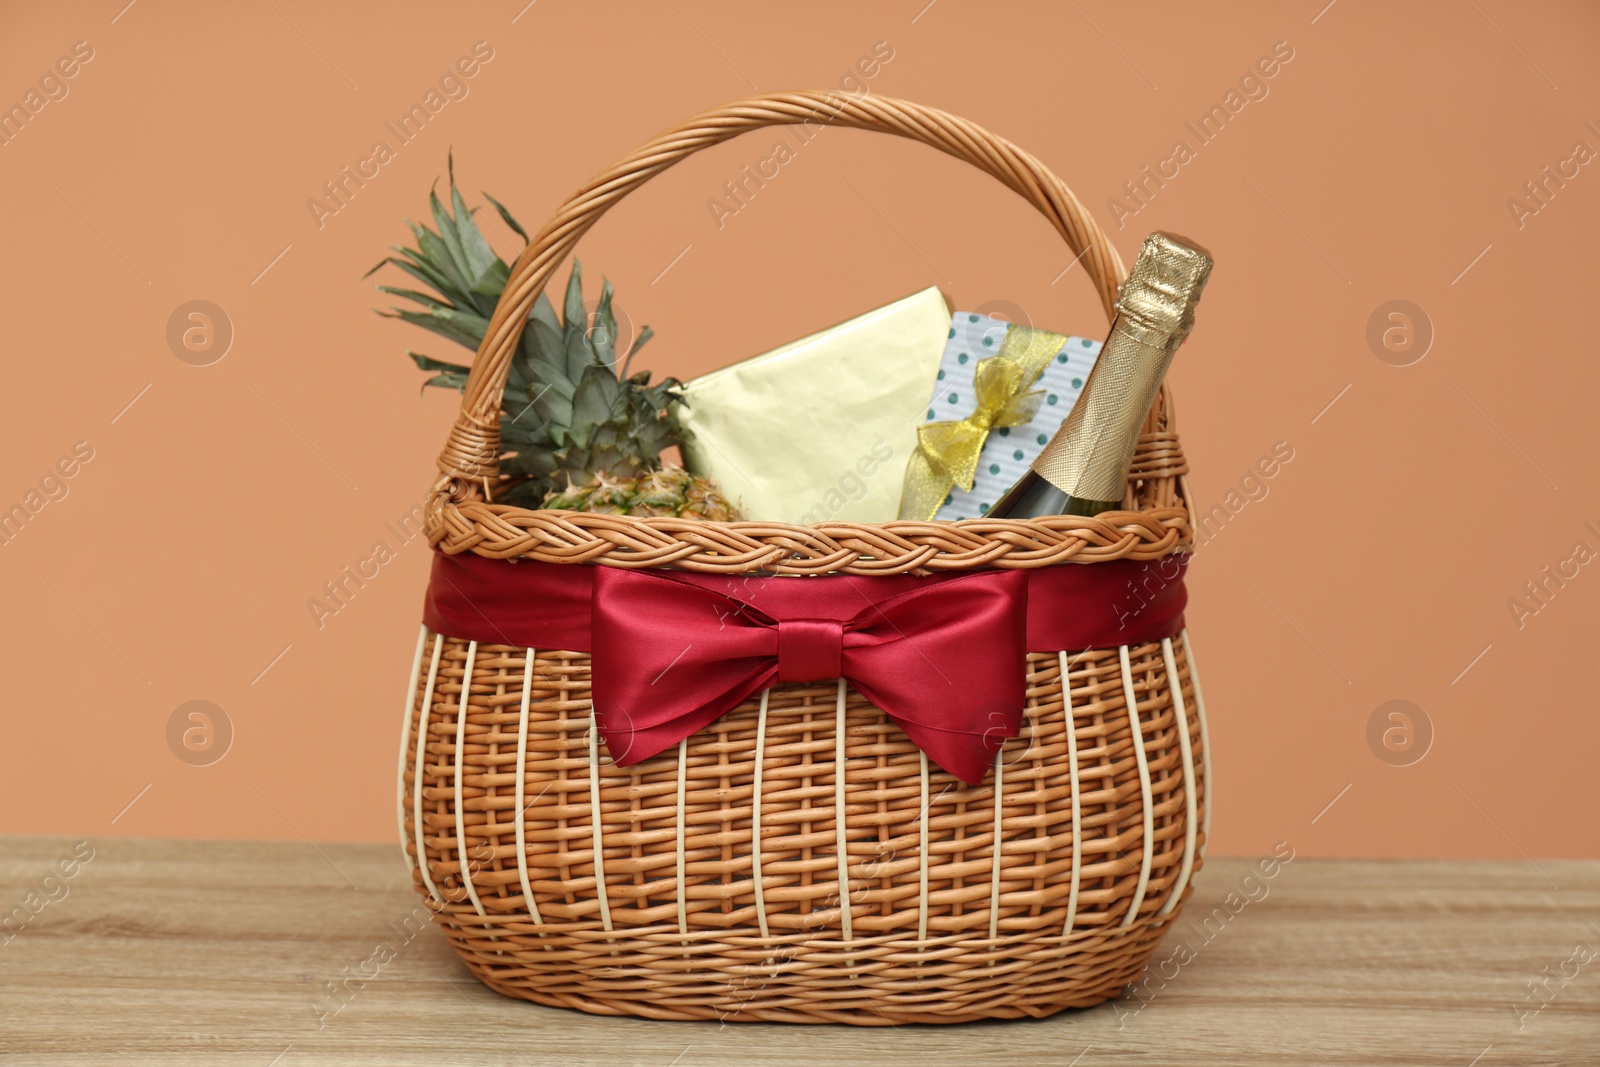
821, 428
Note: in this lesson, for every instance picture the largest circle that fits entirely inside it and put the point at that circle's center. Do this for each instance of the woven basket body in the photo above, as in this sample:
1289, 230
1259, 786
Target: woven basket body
800, 859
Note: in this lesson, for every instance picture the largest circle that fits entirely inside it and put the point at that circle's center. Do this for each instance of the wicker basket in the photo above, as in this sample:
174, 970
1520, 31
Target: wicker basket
799, 860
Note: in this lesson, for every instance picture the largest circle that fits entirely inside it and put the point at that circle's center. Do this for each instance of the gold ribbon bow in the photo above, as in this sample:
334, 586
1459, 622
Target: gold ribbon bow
947, 452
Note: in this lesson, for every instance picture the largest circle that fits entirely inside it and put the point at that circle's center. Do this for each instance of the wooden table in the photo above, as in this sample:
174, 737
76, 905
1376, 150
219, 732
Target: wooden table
213, 952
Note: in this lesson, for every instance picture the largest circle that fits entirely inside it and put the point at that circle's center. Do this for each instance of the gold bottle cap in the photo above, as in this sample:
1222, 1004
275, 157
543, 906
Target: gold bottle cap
1164, 286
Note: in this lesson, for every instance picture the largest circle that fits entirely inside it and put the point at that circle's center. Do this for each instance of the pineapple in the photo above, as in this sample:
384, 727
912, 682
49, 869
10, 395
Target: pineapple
579, 433
667, 491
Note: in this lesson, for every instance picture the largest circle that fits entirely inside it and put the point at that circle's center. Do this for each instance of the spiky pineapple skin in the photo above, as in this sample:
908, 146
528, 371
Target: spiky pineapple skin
669, 491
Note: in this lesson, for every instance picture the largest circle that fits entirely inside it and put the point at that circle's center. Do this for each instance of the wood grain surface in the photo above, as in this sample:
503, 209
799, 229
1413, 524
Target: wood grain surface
218, 952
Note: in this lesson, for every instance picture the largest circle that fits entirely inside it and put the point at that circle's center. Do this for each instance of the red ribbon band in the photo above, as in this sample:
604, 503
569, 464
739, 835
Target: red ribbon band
672, 651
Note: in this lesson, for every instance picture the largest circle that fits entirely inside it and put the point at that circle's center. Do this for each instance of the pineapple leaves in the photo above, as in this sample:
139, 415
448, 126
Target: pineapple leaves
477, 256
580, 356
422, 271
450, 239
462, 253
574, 313
595, 401
569, 414
546, 350
492, 282
411, 294
429, 363
552, 405
603, 335
504, 214
435, 253
545, 312
638, 342
451, 376
462, 327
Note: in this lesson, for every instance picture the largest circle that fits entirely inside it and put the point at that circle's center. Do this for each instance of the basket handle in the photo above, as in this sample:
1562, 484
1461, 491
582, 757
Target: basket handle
470, 456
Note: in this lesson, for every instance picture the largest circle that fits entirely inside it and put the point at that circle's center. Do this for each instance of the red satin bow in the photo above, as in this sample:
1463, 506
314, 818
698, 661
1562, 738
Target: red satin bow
946, 662
673, 650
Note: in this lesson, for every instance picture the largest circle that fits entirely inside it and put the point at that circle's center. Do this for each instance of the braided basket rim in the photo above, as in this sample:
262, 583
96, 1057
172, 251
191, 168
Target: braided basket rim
501, 531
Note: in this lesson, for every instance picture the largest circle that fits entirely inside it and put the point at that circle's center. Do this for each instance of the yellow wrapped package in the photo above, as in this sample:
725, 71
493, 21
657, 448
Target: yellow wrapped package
821, 428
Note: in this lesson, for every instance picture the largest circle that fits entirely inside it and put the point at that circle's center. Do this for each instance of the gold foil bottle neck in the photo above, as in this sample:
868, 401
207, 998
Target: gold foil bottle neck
1160, 293
1089, 456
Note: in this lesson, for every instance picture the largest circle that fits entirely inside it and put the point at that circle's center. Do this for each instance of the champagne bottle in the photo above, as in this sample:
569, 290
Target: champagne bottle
1084, 468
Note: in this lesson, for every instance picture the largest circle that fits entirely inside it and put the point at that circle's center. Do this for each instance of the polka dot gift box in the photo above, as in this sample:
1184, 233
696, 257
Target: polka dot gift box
1007, 451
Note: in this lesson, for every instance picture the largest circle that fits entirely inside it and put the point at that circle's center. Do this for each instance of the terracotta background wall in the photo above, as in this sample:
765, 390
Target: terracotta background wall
1381, 161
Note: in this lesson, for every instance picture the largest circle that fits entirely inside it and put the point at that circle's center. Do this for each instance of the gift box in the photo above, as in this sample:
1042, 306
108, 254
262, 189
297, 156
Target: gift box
1003, 416
821, 428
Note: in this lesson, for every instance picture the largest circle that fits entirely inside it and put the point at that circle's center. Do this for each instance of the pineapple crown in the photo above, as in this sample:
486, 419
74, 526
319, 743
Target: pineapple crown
569, 414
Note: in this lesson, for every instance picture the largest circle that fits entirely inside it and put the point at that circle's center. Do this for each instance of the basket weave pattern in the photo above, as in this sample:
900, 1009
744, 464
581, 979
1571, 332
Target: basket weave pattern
1099, 829
800, 860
